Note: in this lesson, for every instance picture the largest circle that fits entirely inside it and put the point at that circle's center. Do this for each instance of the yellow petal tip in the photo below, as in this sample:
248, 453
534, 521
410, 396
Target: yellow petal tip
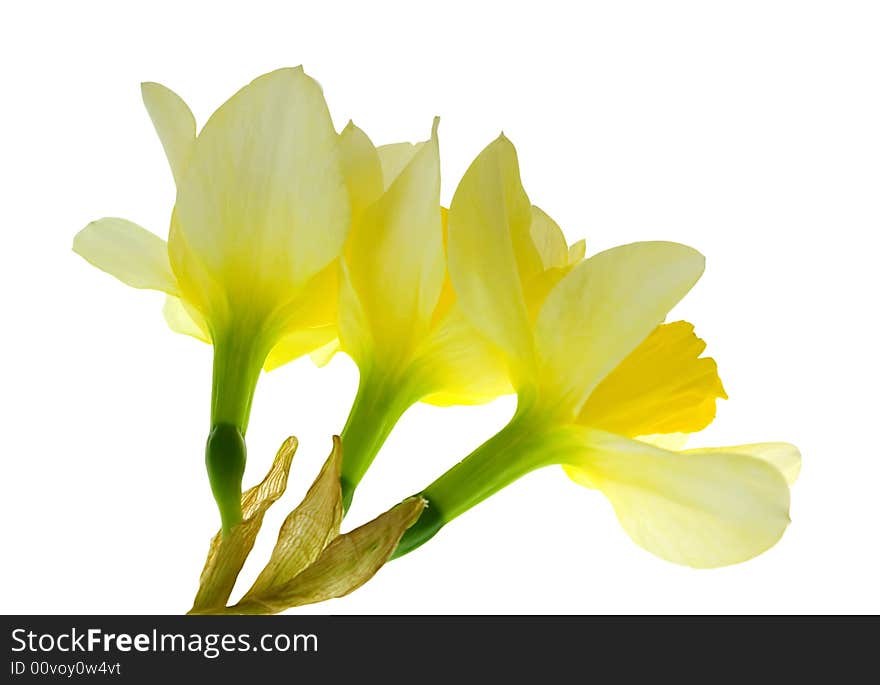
148, 87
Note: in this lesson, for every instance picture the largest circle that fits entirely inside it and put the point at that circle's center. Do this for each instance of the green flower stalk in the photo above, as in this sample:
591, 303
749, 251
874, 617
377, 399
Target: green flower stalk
519, 448
600, 381
378, 405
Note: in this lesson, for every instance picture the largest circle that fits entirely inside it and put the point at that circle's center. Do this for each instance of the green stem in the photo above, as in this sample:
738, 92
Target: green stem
238, 359
519, 448
380, 402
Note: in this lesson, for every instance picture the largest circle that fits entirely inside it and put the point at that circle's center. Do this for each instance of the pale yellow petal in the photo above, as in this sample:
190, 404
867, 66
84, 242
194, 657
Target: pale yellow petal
227, 554
667, 441
130, 253
489, 224
579, 475
263, 206
174, 123
672, 442
702, 510
198, 286
577, 251
185, 320
393, 158
663, 386
347, 563
556, 261
363, 172
447, 292
600, 312
317, 304
355, 331
784, 456
395, 259
311, 319
538, 288
549, 240
323, 355
456, 363
297, 344
460, 364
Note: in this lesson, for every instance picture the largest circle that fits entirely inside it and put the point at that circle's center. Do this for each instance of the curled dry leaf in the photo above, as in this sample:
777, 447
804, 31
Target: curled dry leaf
347, 563
311, 561
306, 531
227, 555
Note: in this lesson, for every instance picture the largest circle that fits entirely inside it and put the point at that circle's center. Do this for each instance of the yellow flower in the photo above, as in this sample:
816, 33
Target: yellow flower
261, 215
595, 369
399, 319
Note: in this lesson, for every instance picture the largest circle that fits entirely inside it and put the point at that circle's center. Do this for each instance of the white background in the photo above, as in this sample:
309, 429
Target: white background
750, 130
